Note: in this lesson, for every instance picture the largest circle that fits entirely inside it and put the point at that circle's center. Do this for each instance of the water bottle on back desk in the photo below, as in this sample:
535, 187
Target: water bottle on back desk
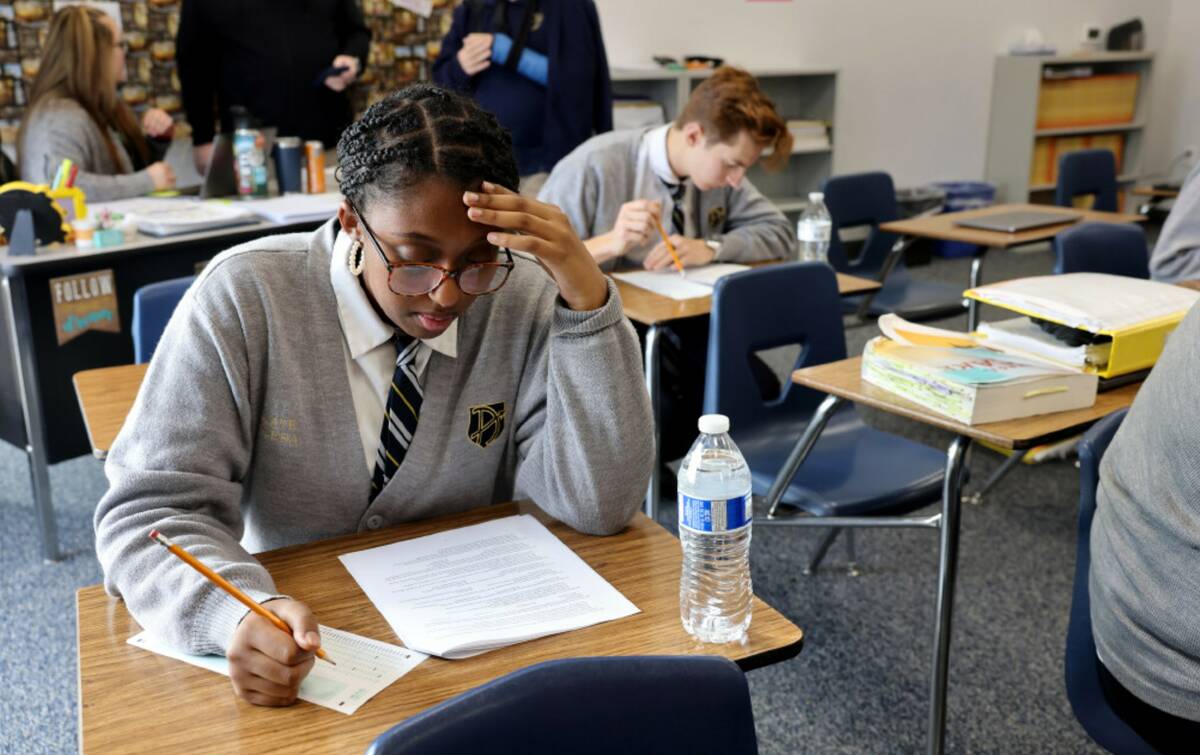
715, 516
814, 229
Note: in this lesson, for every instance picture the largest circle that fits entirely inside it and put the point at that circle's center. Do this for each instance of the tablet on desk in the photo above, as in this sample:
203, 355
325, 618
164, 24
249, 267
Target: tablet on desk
1020, 220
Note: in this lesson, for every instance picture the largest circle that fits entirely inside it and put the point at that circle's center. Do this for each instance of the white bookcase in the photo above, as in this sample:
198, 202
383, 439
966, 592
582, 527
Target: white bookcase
798, 93
1012, 128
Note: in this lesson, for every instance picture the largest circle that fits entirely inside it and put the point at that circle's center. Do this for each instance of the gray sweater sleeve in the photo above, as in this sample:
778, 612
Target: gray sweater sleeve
585, 434
177, 465
1176, 255
756, 229
65, 131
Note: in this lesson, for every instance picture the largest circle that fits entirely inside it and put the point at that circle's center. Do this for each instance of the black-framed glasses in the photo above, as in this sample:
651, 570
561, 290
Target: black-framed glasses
420, 278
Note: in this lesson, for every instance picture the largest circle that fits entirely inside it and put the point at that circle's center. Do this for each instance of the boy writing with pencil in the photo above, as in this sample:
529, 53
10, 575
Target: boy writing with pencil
687, 178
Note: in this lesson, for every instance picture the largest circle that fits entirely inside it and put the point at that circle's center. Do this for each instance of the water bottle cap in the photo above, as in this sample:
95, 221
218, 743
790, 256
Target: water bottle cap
714, 424
816, 196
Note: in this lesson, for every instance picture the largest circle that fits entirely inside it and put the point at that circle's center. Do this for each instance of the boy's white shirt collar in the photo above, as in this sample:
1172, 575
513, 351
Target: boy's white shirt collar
656, 152
364, 328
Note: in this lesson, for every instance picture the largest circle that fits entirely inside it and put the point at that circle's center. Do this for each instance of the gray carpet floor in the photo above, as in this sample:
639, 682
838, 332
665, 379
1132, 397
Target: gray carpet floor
859, 686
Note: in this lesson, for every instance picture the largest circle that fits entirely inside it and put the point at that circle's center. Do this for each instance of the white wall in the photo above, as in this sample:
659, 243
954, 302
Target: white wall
915, 76
1176, 111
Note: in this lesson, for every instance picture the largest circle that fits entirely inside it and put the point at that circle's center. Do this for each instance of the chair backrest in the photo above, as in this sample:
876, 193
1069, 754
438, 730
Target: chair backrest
152, 308
1087, 171
780, 305
1087, 699
861, 199
1102, 248
678, 704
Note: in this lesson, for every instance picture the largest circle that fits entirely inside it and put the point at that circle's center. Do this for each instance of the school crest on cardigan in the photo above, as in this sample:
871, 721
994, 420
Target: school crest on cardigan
716, 218
486, 423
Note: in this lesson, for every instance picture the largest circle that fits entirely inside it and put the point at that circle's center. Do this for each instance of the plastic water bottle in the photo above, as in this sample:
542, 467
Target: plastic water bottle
813, 229
714, 529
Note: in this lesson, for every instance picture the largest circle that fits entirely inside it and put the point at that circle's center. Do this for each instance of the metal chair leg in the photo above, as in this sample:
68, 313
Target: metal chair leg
822, 548
851, 560
1001, 472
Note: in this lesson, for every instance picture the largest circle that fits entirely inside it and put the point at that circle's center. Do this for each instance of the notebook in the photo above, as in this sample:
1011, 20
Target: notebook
1019, 220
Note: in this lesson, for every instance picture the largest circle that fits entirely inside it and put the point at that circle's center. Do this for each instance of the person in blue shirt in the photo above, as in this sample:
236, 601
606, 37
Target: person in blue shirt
539, 66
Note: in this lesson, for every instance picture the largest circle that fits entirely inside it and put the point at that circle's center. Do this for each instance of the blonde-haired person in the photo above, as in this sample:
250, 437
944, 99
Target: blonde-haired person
75, 113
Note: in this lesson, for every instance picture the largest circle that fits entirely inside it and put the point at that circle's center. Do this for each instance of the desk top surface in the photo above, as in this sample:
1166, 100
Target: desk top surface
648, 308
131, 700
943, 226
1146, 190
844, 379
106, 394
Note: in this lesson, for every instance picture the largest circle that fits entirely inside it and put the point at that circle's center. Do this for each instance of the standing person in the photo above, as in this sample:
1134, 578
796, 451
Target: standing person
75, 113
287, 62
410, 358
689, 175
540, 66
1176, 255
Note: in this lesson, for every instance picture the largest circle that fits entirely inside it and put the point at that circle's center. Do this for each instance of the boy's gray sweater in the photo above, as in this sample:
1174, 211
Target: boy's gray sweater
243, 437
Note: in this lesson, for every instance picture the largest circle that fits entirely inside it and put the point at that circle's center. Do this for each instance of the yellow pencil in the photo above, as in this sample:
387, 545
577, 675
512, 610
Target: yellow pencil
670, 247
228, 587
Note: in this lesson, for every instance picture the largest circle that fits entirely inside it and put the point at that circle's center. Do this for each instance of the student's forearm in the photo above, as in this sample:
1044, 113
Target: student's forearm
603, 247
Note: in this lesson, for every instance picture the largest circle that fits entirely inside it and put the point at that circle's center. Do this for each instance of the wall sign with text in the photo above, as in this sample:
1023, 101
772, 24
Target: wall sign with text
84, 302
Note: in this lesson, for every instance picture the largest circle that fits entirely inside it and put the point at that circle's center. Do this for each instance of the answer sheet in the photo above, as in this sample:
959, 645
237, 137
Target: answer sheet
464, 592
365, 667
695, 283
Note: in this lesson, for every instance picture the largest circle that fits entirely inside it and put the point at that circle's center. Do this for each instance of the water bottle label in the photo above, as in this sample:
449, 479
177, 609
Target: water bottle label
814, 231
715, 516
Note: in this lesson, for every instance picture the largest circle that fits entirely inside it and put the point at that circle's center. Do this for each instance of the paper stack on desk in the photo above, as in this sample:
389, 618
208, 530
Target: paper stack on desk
474, 589
295, 208
695, 283
162, 216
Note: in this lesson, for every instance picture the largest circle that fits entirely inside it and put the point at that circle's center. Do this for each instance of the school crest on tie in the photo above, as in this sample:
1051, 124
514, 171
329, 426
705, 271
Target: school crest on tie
486, 424
538, 18
716, 218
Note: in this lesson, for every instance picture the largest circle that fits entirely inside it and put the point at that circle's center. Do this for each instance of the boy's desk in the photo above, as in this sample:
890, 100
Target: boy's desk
942, 227
134, 701
654, 310
1146, 190
842, 381
36, 413
106, 394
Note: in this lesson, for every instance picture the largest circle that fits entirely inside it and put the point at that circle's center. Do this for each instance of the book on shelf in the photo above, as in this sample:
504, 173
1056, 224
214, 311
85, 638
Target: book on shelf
1103, 99
974, 385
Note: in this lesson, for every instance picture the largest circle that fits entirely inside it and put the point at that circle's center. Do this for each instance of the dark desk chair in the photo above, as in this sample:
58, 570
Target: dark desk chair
152, 308
660, 705
1098, 719
1087, 171
1102, 248
854, 470
868, 199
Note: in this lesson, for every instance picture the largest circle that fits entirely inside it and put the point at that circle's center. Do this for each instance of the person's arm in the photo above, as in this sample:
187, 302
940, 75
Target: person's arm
62, 134
755, 229
1176, 255
178, 466
352, 31
532, 64
196, 52
447, 71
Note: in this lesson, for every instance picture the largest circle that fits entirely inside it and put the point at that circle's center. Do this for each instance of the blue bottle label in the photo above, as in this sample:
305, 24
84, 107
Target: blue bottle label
715, 516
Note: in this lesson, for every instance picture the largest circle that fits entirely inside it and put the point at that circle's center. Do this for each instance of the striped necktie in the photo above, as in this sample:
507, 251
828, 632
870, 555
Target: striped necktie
677, 192
400, 417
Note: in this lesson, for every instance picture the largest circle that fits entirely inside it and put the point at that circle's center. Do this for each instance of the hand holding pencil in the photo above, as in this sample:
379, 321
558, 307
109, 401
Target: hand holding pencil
271, 651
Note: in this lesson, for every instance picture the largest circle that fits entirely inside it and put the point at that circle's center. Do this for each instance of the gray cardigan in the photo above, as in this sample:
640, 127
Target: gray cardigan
244, 437
1176, 255
1145, 575
59, 129
603, 173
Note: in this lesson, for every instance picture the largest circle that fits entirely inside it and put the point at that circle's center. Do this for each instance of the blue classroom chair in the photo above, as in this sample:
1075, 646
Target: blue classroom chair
1082, 666
1116, 249
653, 704
869, 199
152, 308
1087, 171
854, 470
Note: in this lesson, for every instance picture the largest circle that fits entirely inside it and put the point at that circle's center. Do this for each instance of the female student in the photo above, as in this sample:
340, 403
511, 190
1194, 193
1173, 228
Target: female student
75, 113
405, 360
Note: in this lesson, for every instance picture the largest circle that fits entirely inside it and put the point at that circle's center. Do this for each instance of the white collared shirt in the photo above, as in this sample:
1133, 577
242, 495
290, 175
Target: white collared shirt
370, 351
654, 151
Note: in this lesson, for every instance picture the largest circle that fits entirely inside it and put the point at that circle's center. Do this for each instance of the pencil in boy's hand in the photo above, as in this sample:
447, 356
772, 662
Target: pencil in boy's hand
228, 587
670, 247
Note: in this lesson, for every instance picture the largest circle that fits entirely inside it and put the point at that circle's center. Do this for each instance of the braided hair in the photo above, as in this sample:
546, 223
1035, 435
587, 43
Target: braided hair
419, 132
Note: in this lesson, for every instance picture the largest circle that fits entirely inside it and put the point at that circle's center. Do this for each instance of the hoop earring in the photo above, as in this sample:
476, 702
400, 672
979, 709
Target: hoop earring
355, 259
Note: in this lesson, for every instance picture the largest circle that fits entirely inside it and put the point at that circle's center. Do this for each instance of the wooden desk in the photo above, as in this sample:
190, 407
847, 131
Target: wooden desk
842, 381
106, 395
943, 228
134, 701
1147, 190
654, 310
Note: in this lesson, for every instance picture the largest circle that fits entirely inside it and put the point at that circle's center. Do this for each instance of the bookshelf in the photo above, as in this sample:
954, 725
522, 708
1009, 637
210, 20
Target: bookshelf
801, 93
1013, 130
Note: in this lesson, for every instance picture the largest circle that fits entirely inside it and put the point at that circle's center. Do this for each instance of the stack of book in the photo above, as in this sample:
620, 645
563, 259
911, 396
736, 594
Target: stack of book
1088, 101
809, 136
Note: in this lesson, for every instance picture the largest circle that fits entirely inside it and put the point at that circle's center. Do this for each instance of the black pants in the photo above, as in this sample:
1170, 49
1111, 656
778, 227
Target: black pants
1164, 732
683, 355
